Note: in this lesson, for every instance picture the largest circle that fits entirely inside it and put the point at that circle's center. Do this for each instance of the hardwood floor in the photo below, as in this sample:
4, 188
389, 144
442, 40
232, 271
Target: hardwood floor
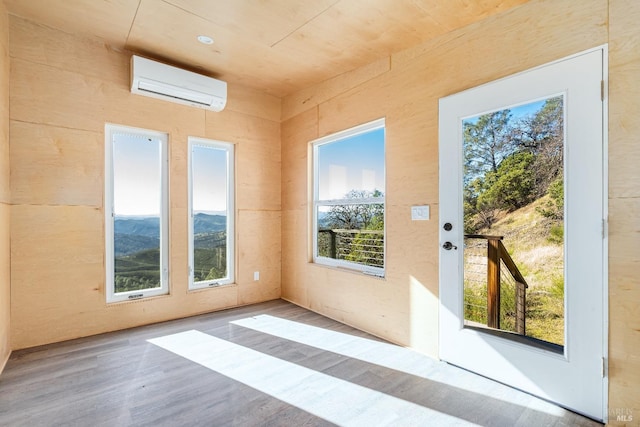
270, 364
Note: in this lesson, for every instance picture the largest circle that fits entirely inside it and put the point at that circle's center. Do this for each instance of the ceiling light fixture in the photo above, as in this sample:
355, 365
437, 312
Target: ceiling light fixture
205, 39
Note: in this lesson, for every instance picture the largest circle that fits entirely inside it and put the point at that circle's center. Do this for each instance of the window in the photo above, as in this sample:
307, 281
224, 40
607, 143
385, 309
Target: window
348, 201
136, 213
211, 213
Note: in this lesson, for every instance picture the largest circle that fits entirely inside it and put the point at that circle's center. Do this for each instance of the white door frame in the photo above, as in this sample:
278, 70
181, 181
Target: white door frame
451, 311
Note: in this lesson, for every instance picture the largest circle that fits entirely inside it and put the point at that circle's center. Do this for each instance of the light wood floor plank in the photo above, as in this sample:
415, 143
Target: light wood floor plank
123, 379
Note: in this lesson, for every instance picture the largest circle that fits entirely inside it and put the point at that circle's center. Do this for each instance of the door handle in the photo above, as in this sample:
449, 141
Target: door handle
448, 246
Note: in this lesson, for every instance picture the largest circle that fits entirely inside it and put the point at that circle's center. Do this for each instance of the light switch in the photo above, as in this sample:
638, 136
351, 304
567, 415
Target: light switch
420, 213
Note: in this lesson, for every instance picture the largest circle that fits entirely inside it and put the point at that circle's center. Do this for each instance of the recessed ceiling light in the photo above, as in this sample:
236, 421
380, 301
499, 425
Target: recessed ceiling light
205, 39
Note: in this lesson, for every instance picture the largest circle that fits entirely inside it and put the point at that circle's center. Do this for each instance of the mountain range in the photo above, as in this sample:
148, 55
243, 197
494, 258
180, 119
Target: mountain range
136, 234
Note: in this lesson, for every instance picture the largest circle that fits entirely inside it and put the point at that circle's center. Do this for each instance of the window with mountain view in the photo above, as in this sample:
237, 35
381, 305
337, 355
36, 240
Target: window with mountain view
211, 213
136, 213
349, 199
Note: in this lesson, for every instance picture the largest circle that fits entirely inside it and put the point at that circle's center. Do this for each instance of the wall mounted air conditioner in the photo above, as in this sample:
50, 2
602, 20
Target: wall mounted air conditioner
157, 80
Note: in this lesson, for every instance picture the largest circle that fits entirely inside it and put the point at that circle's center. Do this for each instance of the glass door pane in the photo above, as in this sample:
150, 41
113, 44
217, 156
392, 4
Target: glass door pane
513, 201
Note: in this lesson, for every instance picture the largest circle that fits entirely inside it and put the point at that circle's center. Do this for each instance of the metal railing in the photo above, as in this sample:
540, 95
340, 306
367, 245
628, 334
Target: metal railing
502, 273
360, 246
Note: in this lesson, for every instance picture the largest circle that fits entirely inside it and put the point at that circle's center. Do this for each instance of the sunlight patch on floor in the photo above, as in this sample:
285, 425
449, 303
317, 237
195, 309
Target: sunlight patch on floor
364, 349
324, 396
392, 357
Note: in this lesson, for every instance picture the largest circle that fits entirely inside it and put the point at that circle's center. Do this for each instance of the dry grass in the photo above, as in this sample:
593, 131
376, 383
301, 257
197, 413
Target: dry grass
532, 241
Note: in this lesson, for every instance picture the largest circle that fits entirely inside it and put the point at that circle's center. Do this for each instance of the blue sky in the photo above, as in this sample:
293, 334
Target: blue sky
353, 163
209, 179
137, 168
516, 112
136, 174
527, 109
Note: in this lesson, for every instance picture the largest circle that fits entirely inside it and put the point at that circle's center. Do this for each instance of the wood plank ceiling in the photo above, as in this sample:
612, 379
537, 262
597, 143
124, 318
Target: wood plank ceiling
278, 46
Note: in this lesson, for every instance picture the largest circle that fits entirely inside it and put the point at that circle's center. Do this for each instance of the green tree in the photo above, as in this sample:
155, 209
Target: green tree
363, 247
510, 163
511, 186
486, 142
542, 134
555, 207
357, 215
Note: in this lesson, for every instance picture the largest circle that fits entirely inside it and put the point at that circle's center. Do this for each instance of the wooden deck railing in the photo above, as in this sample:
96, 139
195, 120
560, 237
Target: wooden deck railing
497, 254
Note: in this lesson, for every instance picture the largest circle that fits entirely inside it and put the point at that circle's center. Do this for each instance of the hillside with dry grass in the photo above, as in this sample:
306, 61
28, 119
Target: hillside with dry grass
535, 242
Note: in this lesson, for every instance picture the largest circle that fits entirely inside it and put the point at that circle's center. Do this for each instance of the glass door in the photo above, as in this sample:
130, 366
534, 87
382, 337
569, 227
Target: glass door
522, 214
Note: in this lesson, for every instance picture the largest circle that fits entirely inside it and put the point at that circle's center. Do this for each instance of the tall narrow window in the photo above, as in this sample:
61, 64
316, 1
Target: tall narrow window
211, 213
349, 205
136, 213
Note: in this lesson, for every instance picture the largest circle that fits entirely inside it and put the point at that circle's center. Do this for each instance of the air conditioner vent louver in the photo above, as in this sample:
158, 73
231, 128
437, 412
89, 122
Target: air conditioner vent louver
173, 84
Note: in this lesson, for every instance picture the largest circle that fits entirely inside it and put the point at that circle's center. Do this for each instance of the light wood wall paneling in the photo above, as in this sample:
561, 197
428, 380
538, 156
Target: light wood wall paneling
5, 193
43, 45
36, 88
58, 281
381, 304
246, 100
179, 250
179, 165
412, 153
297, 156
295, 255
372, 97
564, 31
4, 107
55, 166
86, 103
5, 284
306, 99
296, 134
258, 162
624, 100
259, 237
624, 301
57, 272
5, 155
123, 107
624, 206
256, 166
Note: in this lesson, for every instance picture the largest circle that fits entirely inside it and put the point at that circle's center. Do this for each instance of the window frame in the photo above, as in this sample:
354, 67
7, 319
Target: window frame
230, 200
111, 295
317, 203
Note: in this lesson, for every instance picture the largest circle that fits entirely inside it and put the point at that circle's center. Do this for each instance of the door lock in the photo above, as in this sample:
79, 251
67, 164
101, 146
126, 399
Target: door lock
447, 226
448, 246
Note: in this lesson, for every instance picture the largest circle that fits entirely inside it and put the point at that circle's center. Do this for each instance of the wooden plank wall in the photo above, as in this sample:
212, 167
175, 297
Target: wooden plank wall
63, 91
5, 200
405, 89
624, 206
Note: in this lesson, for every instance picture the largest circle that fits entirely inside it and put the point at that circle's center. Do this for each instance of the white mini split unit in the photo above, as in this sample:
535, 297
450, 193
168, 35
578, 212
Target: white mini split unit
157, 80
